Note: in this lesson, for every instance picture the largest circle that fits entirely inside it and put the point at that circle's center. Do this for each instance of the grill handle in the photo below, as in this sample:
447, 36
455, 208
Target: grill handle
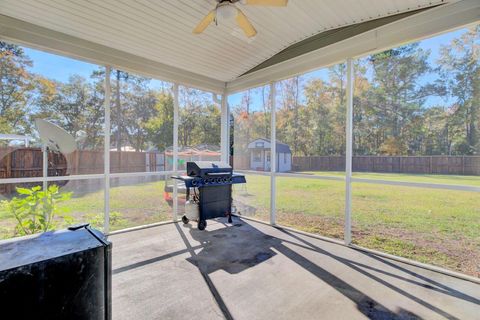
217, 173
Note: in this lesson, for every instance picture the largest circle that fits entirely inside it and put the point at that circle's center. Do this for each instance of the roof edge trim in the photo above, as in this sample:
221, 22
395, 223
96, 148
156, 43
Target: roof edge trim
329, 37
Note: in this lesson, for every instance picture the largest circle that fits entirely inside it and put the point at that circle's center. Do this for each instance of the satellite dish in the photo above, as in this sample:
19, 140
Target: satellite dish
54, 137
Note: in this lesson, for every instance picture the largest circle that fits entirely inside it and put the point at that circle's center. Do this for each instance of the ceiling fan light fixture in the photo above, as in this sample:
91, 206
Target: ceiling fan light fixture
226, 11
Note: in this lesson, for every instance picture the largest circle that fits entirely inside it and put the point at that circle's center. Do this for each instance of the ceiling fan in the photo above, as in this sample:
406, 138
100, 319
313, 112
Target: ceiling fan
226, 9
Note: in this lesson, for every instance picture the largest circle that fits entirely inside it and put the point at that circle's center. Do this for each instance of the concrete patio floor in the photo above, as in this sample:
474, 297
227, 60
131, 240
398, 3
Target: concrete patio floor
248, 270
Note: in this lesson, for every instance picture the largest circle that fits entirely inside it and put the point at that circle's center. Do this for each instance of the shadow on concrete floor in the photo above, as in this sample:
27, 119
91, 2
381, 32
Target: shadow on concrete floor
238, 247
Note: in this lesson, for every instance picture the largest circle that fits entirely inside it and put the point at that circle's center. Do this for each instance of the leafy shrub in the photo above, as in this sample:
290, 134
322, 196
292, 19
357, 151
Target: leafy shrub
96, 220
36, 210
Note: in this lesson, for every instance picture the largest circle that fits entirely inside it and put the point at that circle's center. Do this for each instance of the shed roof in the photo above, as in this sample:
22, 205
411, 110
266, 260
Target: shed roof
281, 147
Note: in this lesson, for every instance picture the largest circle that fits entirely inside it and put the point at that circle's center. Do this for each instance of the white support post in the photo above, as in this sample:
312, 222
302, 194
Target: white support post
45, 173
106, 155
225, 125
175, 148
348, 162
273, 152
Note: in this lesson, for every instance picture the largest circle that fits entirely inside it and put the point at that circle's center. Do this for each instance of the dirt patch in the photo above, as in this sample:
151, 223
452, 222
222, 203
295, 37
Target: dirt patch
455, 252
459, 253
326, 226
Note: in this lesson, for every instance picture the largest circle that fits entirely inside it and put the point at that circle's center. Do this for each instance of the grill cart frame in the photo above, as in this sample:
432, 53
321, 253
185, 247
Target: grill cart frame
209, 188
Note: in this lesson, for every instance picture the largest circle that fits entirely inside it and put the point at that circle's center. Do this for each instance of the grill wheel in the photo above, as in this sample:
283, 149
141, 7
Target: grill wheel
202, 224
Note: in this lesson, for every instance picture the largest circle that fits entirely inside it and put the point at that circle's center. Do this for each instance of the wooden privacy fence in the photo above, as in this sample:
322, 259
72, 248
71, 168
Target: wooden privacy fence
240, 162
28, 162
461, 165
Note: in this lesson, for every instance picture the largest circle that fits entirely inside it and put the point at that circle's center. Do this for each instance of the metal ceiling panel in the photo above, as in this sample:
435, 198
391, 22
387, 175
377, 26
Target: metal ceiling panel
161, 31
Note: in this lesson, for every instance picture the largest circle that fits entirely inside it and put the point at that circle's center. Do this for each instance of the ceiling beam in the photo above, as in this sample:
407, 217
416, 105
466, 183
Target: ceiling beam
31, 35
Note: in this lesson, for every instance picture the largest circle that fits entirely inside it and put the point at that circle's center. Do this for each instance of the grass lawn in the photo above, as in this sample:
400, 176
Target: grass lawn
436, 226
130, 205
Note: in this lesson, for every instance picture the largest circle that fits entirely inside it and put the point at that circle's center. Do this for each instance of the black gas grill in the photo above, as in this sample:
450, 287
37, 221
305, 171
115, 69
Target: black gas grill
209, 190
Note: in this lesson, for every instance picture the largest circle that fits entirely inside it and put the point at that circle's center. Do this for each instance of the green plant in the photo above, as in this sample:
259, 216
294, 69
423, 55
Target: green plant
36, 210
97, 220
116, 219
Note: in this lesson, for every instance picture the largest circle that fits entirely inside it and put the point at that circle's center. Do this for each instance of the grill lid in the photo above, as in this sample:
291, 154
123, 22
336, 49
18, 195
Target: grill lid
205, 168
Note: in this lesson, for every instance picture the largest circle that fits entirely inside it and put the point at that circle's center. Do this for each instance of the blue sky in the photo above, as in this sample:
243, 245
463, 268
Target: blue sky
57, 67
61, 68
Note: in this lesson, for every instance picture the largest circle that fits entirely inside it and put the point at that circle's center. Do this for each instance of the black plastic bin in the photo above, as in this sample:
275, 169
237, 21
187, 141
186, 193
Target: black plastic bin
56, 275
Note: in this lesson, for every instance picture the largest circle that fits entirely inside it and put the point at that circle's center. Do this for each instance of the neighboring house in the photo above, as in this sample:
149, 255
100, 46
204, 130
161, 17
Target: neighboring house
260, 155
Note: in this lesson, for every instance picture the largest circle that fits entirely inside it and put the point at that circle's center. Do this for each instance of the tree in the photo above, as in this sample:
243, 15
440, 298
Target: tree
243, 123
207, 130
76, 106
189, 112
199, 121
139, 108
320, 132
133, 105
396, 99
16, 88
251, 119
460, 69
292, 125
96, 116
160, 127
364, 125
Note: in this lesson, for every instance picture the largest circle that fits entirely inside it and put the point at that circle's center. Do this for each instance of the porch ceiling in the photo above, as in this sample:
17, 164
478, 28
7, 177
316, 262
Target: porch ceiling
161, 31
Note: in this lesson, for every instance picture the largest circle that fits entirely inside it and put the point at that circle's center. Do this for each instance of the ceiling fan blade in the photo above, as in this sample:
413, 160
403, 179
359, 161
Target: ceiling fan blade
270, 3
245, 24
205, 22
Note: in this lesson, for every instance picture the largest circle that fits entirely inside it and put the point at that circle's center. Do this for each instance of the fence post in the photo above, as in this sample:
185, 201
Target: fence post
77, 161
8, 173
348, 160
